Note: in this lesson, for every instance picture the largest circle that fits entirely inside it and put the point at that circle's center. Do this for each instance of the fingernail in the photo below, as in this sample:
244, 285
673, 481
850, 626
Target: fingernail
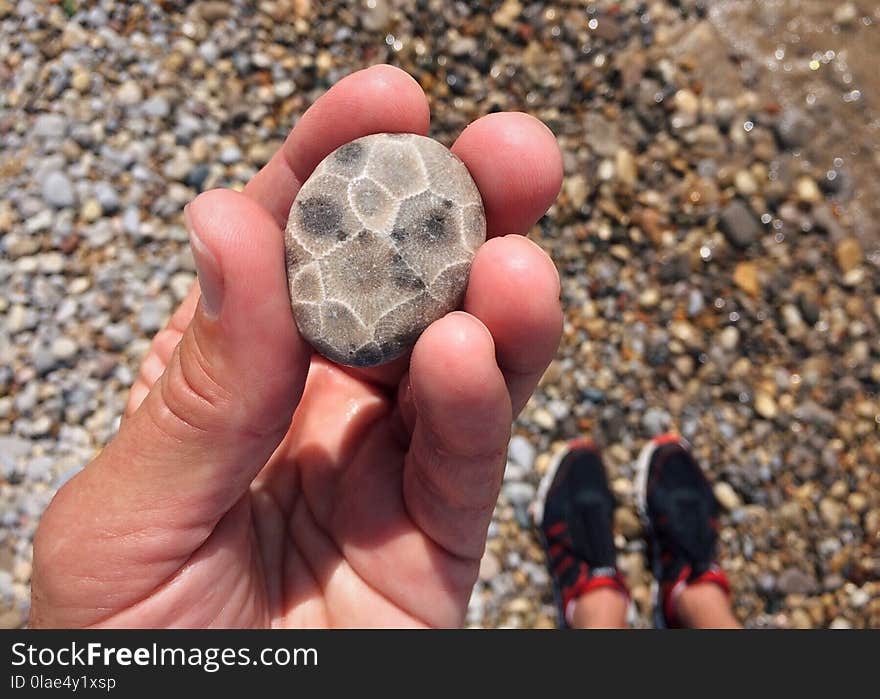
208, 269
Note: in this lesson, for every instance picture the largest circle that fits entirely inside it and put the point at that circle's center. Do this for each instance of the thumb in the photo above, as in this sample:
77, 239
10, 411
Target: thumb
227, 395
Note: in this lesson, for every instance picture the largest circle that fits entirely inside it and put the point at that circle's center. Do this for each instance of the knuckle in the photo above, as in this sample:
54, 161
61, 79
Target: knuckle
192, 399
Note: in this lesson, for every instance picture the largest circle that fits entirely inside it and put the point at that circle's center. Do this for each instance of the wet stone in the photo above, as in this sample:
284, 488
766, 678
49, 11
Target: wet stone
739, 224
379, 243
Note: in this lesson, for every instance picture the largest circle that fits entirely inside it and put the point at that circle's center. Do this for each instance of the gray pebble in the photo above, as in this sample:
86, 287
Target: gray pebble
655, 421
518, 493
156, 106
228, 156
58, 190
379, 242
64, 348
151, 318
521, 451
794, 581
50, 126
107, 197
739, 224
119, 335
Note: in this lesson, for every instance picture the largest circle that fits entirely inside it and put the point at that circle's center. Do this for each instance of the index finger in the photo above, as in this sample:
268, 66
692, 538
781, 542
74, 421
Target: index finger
379, 99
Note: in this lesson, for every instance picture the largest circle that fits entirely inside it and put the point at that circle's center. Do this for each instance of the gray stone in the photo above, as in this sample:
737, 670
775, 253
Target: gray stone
228, 156
151, 318
58, 190
119, 335
156, 106
64, 348
131, 221
655, 421
50, 126
379, 243
739, 224
107, 197
792, 128
521, 452
793, 581
518, 494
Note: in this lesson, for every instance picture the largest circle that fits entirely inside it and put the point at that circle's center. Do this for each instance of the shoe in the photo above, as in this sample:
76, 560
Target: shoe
574, 512
680, 516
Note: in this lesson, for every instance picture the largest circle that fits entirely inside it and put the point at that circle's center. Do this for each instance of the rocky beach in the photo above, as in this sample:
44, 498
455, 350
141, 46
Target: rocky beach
716, 236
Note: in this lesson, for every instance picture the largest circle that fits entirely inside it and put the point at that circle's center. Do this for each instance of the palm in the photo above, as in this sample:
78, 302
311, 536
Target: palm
323, 537
330, 543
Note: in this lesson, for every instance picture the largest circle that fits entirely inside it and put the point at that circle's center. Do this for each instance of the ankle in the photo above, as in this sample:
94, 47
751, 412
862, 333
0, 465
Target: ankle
599, 608
705, 605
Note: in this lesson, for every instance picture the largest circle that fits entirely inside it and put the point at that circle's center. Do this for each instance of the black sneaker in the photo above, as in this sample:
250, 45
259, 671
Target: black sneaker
574, 512
680, 515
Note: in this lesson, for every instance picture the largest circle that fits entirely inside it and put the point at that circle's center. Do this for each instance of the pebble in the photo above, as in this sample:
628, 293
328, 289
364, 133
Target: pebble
745, 183
687, 102
745, 276
739, 224
765, 406
151, 318
230, 155
544, 419
792, 128
64, 348
119, 335
655, 421
627, 523
107, 197
808, 191
91, 210
490, 566
793, 581
727, 496
849, 254
156, 107
846, 14
50, 126
129, 93
518, 493
58, 190
521, 451
395, 221
729, 338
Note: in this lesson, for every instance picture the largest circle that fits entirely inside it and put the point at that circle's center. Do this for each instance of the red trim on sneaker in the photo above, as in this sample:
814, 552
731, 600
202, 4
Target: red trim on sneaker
582, 443
585, 584
557, 529
670, 592
714, 575
667, 438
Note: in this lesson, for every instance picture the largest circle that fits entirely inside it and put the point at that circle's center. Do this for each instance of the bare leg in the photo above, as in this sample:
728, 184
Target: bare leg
705, 606
603, 608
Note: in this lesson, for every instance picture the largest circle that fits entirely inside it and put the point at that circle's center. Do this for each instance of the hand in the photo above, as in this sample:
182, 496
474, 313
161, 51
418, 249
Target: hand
253, 483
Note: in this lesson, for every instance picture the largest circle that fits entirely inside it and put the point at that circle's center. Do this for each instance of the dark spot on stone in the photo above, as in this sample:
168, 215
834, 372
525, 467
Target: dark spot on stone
403, 276
447, 203
320, 216
341, 235
398, 234
291, 258
368, 355
434, 227
350, 153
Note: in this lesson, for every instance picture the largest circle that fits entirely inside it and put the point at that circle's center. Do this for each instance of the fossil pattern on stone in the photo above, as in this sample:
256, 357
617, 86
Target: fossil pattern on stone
379, 244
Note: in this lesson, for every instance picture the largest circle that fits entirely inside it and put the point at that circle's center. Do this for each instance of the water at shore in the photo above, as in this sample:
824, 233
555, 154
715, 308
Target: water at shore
819, 60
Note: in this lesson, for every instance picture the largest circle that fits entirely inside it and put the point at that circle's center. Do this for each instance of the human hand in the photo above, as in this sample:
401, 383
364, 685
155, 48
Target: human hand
252, 482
